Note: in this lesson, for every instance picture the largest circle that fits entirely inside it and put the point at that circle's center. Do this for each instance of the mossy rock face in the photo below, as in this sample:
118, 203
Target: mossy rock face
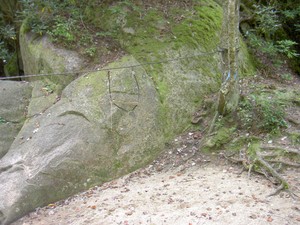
40, 56
152, 35
109, 123
95, 133
222, 137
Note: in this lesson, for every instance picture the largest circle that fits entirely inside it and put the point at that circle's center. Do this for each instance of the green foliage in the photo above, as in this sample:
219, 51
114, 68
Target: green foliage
286, 76
4, 52
62, 30
268, 24
295, 137
245, 113
261, 113
91, 51
271, 48
11, 68
286, 47
59, 19
7, 40
2, 120
8, 32
267, 20
275, 30
271, 115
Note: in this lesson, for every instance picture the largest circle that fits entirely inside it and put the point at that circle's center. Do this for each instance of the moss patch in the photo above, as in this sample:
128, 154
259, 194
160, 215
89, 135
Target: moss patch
41, 57
201, 27
295, 138
222, 136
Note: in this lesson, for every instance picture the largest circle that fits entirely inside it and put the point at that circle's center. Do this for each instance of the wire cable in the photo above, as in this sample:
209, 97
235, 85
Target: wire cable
111, 68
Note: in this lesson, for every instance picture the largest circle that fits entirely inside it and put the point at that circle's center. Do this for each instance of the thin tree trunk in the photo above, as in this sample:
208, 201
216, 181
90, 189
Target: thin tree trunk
229, 92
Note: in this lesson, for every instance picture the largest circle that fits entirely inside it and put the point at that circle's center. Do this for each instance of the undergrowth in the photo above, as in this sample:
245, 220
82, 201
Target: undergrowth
260, 113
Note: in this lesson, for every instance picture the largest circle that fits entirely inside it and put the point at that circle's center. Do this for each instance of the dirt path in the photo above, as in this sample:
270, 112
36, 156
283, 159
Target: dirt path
200, 194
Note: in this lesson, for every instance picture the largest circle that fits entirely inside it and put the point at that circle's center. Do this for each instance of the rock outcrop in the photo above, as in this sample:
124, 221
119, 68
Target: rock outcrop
14, 99
82, 131
93, 134
40, 56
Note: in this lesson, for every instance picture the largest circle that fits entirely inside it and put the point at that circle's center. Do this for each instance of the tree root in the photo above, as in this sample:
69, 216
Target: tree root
284, 149
271, 170
263, 159
277, 191
297, 165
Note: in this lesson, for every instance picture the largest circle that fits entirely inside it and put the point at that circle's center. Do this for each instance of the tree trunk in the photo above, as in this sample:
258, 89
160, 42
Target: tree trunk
229, 92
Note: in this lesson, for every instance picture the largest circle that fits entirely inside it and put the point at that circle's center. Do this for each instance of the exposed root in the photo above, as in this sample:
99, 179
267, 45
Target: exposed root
262, 162
297, 165
271, 170
284, 149
279, 189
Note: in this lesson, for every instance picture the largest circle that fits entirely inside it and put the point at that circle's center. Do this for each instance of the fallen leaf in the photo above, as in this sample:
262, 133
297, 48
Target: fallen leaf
93, 207
52, 205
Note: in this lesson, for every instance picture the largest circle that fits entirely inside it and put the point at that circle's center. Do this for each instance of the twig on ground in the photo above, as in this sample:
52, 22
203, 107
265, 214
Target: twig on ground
212, 125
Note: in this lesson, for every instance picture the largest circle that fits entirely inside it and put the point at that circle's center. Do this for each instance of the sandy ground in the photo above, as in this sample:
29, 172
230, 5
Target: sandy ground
201, 194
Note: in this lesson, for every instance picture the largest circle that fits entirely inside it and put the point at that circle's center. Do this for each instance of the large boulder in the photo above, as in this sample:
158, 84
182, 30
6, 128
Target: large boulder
14, 99
110, 122
93, 134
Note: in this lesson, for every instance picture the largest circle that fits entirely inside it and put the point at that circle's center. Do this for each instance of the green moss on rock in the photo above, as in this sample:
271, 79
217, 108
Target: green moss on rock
222, 137
41, 57
201, 27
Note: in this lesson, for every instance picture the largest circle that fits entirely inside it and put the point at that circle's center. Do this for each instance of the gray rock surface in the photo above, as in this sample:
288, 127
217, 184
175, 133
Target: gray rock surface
14, 99
90, 136
43, 97
40, 56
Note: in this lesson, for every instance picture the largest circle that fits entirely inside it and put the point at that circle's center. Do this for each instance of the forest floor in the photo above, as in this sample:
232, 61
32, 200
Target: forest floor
183, 186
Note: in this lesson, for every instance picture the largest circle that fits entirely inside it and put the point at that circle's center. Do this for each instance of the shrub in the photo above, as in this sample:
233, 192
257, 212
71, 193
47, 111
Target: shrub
261, 113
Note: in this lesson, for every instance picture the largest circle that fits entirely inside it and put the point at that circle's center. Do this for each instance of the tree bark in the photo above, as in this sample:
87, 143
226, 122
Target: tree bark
229, 92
